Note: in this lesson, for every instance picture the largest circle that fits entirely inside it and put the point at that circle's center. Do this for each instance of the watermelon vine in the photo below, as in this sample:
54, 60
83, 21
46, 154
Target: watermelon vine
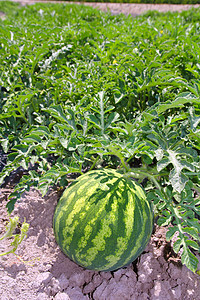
100, 92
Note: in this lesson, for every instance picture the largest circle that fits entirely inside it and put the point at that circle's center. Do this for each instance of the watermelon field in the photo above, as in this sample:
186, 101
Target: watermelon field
83, 90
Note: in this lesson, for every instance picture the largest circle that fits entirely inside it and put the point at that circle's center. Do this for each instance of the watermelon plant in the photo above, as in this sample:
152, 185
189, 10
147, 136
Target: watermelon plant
84, 91
103, 221
16, 238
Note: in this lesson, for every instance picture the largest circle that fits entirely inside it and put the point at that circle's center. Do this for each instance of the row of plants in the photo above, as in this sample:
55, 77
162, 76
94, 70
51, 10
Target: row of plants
82, 90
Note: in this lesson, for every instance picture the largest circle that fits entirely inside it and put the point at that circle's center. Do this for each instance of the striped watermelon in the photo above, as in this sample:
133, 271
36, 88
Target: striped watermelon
103, 221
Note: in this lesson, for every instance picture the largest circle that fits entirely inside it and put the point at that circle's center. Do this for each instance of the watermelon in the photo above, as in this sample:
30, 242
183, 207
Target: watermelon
103, 221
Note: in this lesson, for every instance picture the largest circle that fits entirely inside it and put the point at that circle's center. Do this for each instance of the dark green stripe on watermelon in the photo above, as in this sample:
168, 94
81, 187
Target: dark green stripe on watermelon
103, 221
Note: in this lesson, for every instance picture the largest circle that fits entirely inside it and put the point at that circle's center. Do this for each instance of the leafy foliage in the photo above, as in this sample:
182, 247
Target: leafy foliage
17, 238
81, 89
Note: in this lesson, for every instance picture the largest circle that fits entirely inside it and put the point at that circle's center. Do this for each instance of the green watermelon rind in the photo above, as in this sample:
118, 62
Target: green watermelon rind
104, 221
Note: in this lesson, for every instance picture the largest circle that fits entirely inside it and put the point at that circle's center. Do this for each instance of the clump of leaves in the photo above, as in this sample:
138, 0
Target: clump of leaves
16, 238
81, 89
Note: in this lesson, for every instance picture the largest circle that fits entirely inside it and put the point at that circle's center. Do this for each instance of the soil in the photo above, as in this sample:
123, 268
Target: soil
134, 9
40, 271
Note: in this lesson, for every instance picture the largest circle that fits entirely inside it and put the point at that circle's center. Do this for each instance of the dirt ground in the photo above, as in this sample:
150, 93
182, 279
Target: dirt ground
44, 272
127, 8
136, 9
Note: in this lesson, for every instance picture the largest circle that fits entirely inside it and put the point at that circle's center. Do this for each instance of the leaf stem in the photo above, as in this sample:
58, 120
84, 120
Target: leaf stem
142, 174
196, 188
94, 163
124, 164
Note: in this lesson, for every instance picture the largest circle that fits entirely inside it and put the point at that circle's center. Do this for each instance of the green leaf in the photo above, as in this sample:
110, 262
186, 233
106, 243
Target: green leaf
187, 151
193, 222
178, 180
5, 145
179, 102
95, 121
189, 259
159, 154
57, 112
72, 121
170, 233
193, 244
164, 221
118, 97
186, 97
163, 163
40, 131
43, 187
11, 204
111, 119
64, 142
177, 244
158, 139
194, 120
193, 232
32, 138
187, 165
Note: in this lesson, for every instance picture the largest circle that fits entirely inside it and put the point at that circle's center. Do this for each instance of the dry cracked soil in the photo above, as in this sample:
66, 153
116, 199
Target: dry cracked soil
41, 271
